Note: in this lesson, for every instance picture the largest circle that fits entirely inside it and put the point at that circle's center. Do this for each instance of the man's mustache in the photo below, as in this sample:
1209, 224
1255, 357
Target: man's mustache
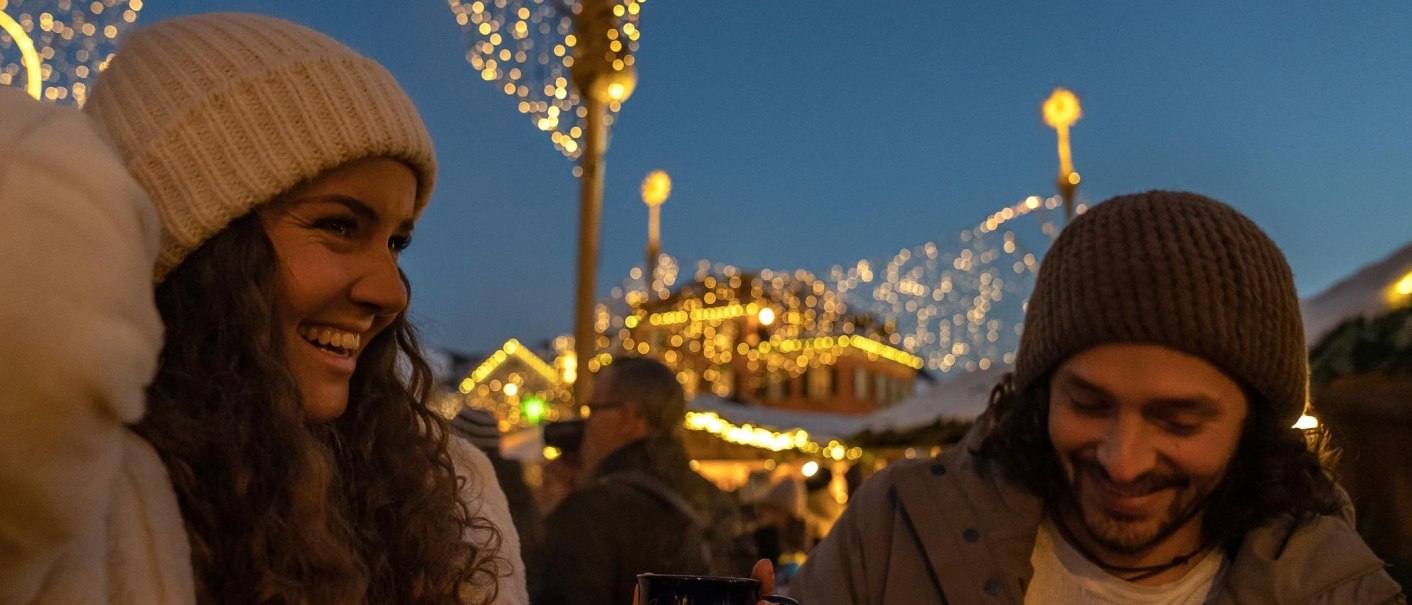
1145, 484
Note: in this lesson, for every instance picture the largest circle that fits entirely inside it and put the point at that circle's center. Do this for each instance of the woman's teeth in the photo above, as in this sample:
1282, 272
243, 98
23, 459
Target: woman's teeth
331, 337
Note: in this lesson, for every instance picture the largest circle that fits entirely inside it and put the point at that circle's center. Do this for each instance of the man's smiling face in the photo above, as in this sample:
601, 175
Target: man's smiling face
1143, 434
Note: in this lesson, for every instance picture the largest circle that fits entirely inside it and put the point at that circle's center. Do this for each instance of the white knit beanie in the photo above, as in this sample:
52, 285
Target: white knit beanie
216, 114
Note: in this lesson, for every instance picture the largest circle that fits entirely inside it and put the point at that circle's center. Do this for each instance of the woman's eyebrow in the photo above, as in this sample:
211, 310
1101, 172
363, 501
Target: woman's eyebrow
356, 206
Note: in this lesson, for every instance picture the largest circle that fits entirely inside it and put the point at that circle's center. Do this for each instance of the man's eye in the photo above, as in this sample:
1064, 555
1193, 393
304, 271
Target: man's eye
1088, 407
398, 243
1178, 427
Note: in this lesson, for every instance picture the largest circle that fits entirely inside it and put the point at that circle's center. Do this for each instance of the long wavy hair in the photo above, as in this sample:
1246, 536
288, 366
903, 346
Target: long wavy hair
362, 509
1275, 471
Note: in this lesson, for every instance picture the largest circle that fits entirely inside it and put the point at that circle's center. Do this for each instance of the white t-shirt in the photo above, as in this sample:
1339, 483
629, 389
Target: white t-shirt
1063, 575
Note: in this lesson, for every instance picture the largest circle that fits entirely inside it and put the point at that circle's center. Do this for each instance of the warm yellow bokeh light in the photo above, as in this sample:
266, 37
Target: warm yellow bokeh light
767, 316
656, 188
33, 78
1062, 109
614, 86
1399, 292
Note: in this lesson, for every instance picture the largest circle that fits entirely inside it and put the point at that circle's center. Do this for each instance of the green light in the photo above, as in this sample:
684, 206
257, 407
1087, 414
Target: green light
533, 409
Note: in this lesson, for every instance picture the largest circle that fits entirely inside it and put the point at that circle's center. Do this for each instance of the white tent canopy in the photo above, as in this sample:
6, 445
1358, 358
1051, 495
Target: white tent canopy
961, 398
821, 427
1364, 293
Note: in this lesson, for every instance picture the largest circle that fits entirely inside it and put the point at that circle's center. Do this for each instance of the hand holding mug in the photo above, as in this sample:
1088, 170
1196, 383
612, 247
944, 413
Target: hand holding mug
658, 589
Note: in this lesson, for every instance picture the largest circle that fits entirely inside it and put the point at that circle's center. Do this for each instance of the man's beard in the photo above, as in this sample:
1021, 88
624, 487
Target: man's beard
1129, 535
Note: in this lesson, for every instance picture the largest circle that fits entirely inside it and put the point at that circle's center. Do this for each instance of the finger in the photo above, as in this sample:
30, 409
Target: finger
764, 572
634, 595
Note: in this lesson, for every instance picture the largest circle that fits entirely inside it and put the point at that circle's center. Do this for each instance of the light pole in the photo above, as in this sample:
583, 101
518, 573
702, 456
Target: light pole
602, 77
1061, 110
655, 190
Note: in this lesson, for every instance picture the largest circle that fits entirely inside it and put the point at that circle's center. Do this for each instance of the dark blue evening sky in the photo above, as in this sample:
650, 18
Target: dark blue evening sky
809, 134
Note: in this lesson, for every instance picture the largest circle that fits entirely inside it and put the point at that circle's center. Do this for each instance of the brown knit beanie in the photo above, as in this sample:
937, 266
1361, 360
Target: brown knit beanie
216, 114
1178, 270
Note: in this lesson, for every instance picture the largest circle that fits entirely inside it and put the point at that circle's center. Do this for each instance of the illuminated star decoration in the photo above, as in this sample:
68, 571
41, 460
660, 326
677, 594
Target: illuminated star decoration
54, 49
526, 49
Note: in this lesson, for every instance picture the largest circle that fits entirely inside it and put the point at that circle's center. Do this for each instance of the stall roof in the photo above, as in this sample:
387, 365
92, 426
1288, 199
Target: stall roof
961, 398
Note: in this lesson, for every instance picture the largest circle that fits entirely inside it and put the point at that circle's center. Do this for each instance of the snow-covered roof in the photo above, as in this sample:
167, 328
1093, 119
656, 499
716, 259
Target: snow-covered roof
1362, 294
961, 397
822, 427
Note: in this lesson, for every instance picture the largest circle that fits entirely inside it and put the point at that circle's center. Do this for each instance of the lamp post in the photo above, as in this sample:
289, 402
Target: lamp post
602, 77
1061, 110
655, 190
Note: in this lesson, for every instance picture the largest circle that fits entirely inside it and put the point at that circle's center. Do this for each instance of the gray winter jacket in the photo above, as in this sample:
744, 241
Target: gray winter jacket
937, 531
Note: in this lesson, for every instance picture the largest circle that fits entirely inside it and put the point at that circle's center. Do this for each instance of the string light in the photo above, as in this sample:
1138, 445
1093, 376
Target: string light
54, 49
1400, 291
764, 438
526, 49
958, 304
511, 348
515, 400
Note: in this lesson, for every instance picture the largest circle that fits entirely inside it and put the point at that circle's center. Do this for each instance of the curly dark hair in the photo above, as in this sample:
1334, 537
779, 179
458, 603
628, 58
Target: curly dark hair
362, 509
1275, 471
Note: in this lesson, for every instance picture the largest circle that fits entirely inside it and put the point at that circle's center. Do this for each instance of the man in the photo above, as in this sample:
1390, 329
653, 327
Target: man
642, 509
1140, 452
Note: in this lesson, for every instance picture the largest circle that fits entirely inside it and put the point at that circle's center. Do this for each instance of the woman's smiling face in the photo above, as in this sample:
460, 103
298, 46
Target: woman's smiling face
337, 239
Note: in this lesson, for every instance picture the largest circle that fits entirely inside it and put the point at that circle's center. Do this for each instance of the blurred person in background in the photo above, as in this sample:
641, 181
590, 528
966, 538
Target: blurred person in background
641, 507
480, 428
780, 529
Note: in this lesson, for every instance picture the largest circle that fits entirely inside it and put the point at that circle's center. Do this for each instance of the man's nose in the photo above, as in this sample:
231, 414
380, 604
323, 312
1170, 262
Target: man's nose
1125, 451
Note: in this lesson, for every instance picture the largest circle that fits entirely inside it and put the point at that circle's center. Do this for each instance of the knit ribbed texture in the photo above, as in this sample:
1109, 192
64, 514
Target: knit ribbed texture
1178, 270
216, 114
478, 427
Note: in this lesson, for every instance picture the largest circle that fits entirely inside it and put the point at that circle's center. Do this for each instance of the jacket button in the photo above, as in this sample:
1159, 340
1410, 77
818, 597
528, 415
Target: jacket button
992, 587
938, 470
971, 535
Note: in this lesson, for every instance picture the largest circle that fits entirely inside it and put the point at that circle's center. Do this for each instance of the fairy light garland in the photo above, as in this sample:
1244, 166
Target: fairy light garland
526, 49
54, 49
959, 304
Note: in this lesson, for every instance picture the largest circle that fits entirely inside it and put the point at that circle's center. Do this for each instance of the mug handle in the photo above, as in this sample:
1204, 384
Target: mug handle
774, 598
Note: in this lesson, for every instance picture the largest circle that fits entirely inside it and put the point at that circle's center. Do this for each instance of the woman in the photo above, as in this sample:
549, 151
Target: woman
289, 407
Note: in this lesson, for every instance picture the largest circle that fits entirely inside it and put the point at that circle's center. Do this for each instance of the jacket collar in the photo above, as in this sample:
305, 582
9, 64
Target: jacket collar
635, 456
967, 517
1286, 562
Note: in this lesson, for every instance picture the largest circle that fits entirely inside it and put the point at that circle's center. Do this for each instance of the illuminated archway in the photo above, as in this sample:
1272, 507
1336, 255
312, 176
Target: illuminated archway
34, 85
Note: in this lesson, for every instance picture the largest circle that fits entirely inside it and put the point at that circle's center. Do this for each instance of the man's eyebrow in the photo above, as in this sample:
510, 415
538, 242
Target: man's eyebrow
356, 206
1073, 380
1195, 403
1199, 404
